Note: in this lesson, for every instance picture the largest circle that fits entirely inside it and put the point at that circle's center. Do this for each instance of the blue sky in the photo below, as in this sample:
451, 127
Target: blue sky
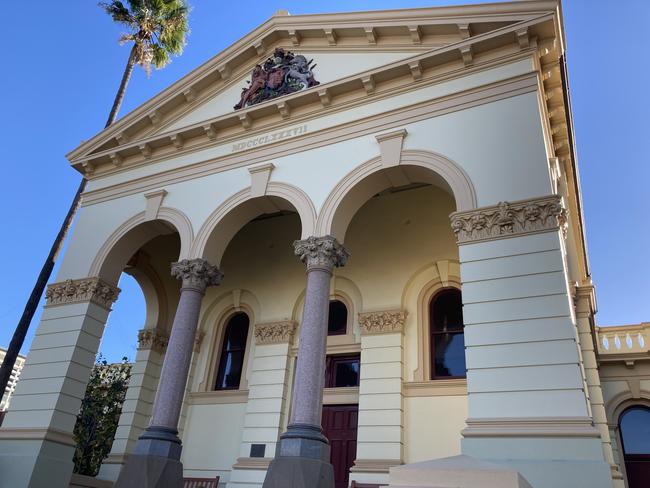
62, 67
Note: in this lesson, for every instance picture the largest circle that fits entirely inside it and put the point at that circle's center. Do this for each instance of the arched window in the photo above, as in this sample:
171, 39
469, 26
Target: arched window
337, 323
634, 425
231, 359
447, 338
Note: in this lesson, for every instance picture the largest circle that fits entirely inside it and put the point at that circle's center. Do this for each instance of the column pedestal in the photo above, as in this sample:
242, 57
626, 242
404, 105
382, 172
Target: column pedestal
528, 410
36, 443
302, 458
269, 382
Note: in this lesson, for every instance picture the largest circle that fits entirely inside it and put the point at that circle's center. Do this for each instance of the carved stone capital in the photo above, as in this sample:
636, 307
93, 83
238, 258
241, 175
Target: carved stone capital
84, 290
382, 322
153, 339
321, 252
196, 274
510, 219
274, 332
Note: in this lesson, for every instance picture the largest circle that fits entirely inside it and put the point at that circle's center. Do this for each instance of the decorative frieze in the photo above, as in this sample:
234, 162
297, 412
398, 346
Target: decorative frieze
274, 332
153, 339
383, 322
84, 290
196, 273
510, 219
321, 252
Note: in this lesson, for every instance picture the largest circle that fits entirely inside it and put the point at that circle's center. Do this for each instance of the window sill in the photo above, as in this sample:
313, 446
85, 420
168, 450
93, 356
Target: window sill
446, 387
217, 397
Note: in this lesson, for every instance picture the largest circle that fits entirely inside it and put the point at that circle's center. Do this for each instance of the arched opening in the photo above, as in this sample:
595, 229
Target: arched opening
416, 168
233, 349
447, 338
634, 425
138, 256
129, 314
337, 321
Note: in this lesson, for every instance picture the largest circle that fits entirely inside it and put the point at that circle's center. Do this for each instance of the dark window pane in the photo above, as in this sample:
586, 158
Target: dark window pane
342, 370
347, 373
635, 430
447, 311
338, 318
231, 360
237, 332
449, 354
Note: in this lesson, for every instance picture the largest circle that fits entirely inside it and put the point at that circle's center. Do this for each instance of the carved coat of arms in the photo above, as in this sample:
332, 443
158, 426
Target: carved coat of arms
281, 74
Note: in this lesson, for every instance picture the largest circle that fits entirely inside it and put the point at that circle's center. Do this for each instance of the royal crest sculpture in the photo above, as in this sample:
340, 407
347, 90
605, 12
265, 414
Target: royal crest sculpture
281, 74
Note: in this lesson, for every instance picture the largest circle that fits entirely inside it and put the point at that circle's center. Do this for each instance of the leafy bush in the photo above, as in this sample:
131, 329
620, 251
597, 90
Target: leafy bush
99, 414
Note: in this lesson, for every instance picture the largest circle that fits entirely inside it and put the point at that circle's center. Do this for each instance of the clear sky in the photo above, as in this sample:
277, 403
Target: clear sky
62, 64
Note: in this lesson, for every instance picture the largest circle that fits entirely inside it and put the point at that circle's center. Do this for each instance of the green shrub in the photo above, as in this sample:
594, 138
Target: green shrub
99, 414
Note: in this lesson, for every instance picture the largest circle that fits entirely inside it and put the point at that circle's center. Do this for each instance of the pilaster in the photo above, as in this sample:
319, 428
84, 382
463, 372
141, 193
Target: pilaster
381, 405
585, 309
36, 444
138, 403
527, 404
267, 402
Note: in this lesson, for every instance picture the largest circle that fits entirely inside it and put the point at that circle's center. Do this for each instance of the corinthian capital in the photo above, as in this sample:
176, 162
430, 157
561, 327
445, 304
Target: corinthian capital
321, 252
84, 290
510, 219
196, 273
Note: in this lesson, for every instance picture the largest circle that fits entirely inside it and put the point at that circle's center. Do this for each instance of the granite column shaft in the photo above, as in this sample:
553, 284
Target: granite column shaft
303, 453
156, 458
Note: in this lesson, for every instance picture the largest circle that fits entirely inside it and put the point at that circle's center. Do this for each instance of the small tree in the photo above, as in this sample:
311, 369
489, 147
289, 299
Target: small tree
99, 414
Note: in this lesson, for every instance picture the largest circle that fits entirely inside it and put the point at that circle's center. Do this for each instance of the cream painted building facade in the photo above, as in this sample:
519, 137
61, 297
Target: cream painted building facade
433, 160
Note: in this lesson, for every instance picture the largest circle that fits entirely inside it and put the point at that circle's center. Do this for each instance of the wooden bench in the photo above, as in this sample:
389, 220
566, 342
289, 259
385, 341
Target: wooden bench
201, 482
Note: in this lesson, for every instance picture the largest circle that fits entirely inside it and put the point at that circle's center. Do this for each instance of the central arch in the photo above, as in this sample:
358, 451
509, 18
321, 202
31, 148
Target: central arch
221, 226
372, 177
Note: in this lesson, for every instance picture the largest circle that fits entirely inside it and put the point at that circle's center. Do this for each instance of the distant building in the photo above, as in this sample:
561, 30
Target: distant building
13, 379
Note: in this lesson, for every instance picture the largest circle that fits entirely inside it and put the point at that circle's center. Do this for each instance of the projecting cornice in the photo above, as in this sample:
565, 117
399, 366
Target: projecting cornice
114, 150
409, 29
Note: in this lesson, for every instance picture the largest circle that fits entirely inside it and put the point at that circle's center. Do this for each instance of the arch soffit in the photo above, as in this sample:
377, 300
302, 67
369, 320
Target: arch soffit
295, 196
179, 221
155, 296
453, 174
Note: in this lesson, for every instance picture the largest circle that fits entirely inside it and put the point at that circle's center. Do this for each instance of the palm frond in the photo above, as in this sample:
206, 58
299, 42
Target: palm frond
158, 28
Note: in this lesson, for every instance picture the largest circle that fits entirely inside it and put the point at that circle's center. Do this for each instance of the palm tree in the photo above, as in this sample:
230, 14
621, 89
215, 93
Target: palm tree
157, 29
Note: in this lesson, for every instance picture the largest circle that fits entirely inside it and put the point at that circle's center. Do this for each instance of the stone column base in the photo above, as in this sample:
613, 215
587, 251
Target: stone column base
299, 472
456, 472
155, 462
302, 460
146, 471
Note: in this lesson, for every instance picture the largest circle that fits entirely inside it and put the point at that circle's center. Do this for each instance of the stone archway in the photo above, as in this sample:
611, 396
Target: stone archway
373, 176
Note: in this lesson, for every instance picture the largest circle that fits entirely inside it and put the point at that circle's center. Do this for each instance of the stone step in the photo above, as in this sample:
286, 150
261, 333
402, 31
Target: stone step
455, 472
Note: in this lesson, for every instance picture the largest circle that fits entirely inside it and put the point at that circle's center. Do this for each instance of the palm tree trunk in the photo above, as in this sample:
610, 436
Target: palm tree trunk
119, 97
32, 303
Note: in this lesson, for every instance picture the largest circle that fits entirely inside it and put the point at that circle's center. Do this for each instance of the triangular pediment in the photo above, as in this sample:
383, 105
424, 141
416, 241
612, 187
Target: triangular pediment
329, 66
341, 45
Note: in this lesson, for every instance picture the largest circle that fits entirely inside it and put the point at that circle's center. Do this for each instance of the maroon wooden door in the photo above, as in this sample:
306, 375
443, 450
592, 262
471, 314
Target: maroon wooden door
638, 470
340, 427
